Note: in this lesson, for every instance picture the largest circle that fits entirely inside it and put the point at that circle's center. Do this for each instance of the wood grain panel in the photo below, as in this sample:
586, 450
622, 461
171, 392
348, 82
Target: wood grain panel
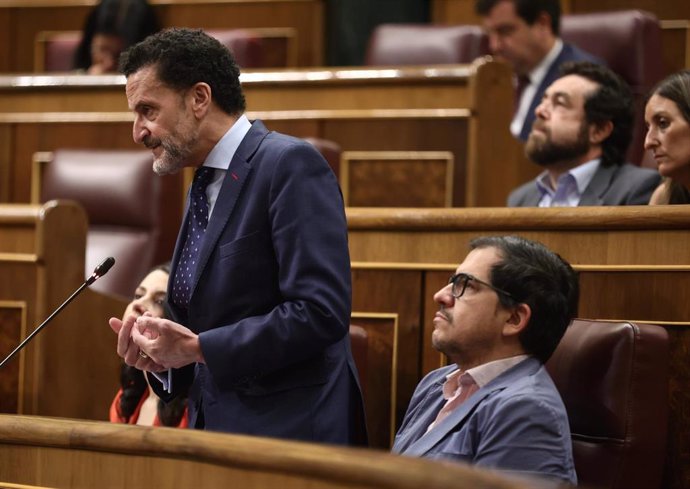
12, 332
394, 293
379, 388
397, 178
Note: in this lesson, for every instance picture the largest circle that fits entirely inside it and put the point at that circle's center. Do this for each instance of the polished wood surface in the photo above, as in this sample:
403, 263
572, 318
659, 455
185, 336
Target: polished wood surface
397, 178
70, 368
21, 21
451, 108
64, 454
379, 384
633, 263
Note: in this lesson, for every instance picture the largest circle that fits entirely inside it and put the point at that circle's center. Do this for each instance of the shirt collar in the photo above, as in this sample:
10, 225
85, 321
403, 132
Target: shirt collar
222, 153
539, 72
482, 374
582, 174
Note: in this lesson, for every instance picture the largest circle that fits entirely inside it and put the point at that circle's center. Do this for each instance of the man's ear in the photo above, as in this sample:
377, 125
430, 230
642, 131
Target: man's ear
200, 95
518, 319
543, 20
599, 132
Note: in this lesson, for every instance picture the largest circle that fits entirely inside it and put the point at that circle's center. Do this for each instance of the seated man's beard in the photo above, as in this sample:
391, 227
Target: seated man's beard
545, 152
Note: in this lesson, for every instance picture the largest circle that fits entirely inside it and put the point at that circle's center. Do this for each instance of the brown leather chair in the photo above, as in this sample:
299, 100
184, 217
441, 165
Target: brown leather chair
422, 44
629, 41
244, 44
134, 215
330, 150
613, 378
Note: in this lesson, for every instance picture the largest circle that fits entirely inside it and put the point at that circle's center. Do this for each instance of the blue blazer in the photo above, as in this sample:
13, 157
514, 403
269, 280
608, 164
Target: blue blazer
568, 53
271, 301
516, 423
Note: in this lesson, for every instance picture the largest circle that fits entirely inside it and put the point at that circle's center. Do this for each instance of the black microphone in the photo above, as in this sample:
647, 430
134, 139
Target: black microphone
99, 271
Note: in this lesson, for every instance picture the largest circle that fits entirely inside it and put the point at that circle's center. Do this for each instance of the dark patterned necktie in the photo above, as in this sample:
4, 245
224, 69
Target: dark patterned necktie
196, 227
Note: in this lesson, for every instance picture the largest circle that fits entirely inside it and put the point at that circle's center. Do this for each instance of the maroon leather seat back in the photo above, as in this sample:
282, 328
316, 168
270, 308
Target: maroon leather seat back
630, 43
244, 45
59, 49
421, 44
133, 214
613, 378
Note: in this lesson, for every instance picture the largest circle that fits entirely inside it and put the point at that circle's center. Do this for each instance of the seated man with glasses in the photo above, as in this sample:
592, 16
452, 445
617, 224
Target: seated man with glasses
500, 318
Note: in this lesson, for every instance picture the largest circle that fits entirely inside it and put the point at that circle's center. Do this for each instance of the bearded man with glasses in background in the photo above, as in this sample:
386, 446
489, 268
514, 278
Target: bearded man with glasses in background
501, 316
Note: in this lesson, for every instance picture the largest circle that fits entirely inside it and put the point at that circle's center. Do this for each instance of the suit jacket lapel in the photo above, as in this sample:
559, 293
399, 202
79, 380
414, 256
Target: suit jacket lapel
600, 183
429, 439
428, 409
457, 417
533, 196
233, 183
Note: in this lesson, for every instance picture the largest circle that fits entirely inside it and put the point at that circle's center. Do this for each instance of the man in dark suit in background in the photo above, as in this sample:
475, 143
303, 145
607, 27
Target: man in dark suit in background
580, 136
260, 288
525, 34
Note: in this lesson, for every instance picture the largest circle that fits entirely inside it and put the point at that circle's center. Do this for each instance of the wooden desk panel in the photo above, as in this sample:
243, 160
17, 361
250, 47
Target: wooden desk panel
26, 19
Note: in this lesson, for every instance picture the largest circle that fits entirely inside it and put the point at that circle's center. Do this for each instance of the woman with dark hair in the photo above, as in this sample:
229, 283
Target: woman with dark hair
667, 115
135, 402
111, 27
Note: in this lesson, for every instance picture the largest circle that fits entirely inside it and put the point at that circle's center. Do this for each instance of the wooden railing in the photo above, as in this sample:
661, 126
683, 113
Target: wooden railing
65, 454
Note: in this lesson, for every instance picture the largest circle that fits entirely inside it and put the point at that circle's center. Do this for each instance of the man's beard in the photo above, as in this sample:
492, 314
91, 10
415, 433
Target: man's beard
545, 152
175, 155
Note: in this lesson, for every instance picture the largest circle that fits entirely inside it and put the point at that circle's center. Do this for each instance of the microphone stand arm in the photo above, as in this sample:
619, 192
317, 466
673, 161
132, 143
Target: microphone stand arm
44, 323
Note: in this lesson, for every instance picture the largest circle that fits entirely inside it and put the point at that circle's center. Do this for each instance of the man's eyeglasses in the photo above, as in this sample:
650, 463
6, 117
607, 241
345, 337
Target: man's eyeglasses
459, 283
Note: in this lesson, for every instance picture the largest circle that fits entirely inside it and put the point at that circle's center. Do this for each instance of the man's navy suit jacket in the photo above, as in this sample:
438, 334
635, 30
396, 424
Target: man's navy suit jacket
271, 300
568, 53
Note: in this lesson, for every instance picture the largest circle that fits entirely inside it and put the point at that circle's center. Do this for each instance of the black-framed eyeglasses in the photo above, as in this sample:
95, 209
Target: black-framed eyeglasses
459, 283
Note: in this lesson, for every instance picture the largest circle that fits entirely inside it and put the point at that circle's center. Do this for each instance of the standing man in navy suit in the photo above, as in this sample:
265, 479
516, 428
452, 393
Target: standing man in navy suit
500, 318
259, 289
525, 33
